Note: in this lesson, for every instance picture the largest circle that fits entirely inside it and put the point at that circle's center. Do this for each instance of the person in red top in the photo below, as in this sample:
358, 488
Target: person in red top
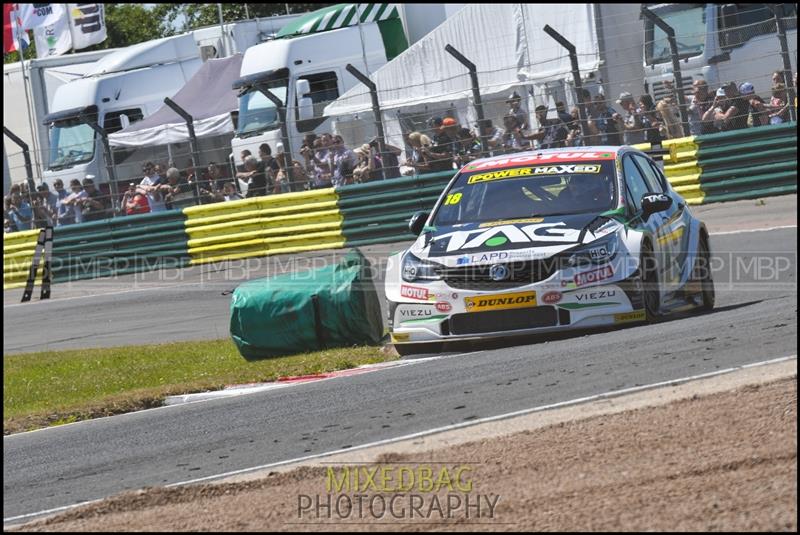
134, 201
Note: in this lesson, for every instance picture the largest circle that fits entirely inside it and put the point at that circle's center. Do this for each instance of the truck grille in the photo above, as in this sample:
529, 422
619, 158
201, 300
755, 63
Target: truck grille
659, 91
520, 273
504, 320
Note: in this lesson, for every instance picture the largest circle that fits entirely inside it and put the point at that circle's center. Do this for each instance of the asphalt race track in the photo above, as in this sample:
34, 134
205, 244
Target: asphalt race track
193, 304
755, 320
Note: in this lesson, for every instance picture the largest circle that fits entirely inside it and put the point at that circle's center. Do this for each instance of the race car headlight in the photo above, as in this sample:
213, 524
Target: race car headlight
595, 253
415, 269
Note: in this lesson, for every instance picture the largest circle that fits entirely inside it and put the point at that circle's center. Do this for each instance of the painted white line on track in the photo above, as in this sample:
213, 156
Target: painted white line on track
604, 395
577, 401
745, 231
101, 294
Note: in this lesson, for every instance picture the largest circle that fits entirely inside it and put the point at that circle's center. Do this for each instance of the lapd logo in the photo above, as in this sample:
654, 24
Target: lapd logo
498, 272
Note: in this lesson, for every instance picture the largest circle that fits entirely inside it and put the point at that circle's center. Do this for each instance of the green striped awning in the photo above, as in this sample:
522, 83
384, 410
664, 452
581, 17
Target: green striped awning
339, 16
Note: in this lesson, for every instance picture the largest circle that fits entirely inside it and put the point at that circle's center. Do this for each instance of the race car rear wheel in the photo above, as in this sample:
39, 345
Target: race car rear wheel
648, 271
703, 274
414, 349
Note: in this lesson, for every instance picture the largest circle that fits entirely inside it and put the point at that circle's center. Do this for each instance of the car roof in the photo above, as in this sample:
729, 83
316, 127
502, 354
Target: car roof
549, 155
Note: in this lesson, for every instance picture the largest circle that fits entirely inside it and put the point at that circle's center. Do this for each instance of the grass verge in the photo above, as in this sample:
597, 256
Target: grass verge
57, 387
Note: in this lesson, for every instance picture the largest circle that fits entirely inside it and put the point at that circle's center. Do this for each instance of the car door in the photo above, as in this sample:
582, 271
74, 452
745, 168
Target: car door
636, 187
675, 224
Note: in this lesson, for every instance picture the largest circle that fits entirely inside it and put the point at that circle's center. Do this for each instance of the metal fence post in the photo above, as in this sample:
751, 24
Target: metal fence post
192, 143
777, 10
476, 93
287, 157
110, 170
376, 111
576, 75
676, 64
26, 153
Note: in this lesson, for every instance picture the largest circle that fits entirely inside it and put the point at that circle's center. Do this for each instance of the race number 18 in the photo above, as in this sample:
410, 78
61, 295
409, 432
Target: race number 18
453, 198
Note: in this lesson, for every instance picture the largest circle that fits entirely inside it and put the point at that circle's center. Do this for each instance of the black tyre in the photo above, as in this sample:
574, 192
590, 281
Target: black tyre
648, 271
414, 349
702, 274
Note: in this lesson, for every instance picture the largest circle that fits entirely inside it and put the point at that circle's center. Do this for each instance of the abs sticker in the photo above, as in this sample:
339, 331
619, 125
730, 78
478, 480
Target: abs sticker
444, 306
551, 298
500, 301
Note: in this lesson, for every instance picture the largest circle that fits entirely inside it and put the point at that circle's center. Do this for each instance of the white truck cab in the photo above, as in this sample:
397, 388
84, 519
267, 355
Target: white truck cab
305, 66
717, 43
123, 87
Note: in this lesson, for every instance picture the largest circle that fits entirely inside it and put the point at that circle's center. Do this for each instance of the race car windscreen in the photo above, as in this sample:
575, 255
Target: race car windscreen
529, 191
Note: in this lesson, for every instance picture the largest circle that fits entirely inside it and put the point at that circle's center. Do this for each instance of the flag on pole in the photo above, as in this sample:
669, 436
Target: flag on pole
53, 39
87, 24
35, 15
12, 31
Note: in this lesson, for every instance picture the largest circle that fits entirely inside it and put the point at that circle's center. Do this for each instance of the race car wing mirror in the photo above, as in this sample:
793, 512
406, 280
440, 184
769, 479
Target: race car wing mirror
417, 222
654, 202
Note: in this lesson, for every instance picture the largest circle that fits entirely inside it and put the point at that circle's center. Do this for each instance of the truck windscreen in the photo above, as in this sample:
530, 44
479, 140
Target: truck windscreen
257, 113
71, 142
689, 23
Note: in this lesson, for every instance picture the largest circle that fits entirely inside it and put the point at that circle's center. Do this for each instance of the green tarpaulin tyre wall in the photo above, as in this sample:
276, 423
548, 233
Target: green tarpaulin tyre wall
333, 306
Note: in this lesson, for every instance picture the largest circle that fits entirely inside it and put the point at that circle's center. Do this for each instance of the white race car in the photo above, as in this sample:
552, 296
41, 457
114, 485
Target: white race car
546, 241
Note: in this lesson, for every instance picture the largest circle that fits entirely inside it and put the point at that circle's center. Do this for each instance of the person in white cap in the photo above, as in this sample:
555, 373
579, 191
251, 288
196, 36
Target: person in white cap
757, 112
631, 125
514, 102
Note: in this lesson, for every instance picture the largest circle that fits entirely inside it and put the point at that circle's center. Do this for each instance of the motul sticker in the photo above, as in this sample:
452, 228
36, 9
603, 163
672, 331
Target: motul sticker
590, 277
500, 301
414, 292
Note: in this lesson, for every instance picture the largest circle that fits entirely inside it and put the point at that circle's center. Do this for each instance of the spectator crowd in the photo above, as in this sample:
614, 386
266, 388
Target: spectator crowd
325, 161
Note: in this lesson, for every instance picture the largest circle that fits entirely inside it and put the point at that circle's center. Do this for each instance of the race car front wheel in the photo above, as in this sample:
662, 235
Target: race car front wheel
703, 274
648, 271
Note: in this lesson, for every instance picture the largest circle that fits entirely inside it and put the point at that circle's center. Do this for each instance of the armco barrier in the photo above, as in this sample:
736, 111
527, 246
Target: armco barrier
18, 249
119, 246
748, 163
682, 169
741, 164
275, 224
378, 212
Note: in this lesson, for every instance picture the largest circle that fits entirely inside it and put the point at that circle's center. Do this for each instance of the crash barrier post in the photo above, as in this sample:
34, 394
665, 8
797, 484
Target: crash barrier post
378, 212
43, 249
260, 226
